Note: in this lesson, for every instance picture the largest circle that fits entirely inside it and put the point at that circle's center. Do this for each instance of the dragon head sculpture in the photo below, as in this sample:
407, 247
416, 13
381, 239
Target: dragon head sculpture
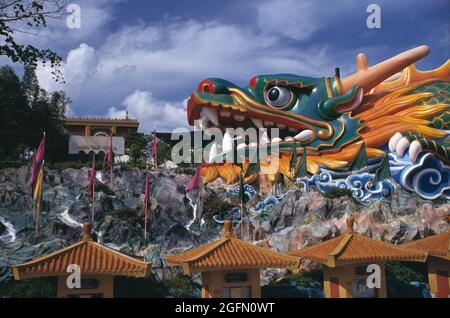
329, 116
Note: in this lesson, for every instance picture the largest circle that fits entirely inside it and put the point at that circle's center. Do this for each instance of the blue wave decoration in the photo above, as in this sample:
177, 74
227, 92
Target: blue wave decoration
430, 178
235, 216
360, 185
269, 203
249, 191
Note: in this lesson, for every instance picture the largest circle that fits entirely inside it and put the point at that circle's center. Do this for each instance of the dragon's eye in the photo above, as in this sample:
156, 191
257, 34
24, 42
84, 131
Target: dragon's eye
278, 96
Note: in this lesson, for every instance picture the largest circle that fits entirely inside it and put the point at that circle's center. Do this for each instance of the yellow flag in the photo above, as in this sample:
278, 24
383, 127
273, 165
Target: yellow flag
37, 193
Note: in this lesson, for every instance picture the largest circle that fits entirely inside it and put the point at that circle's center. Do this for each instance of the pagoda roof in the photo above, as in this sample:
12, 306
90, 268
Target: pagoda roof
436, 245
92, 258
351, 248
230, 253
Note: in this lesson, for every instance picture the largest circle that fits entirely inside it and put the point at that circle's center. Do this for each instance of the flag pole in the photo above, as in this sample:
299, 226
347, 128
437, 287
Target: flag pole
112, 158
93, 192
145, 205
156, 153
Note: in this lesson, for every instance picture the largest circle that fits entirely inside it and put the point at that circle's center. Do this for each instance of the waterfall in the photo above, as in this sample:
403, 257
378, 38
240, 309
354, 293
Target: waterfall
99, 176
10, 236
68, 220
194, 207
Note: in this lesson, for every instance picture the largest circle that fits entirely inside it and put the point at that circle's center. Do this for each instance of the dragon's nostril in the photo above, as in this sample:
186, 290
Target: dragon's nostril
206, 86
252, 82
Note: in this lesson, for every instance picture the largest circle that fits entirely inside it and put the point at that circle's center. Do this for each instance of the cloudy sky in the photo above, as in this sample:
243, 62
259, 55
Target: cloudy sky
147, 56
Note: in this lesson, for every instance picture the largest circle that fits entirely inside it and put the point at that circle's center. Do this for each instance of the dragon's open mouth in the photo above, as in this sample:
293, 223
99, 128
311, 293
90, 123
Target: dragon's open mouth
209, 114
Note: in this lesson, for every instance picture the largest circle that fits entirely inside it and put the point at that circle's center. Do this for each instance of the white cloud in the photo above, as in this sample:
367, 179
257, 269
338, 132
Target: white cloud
163, 115
169, 60
299, 20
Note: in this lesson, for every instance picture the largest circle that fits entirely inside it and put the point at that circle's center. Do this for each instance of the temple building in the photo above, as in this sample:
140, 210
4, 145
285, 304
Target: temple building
438, 263
90, 135
98, 266
346, 259
230, 267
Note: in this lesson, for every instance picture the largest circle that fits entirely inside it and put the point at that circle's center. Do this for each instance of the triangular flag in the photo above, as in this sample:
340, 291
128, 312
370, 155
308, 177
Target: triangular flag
302, 169
383, 172
196, 180
37, 159
293, 162
253, 168
37, 193
360, 161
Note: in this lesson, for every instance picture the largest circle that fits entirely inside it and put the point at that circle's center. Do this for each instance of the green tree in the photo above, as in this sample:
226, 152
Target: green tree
47, 115
30, 84
15, 116
28, 16
136, 145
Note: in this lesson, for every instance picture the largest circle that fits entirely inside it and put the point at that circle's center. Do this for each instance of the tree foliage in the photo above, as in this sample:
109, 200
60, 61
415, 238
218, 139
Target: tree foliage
28, 17
28, 111
138, 147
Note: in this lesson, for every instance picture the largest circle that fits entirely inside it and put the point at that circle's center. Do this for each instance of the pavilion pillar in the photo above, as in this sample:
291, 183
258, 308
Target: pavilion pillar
87, 130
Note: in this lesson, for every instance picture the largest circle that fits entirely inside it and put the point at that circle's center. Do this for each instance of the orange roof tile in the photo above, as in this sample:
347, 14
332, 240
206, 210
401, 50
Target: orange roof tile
354, 248
93, 258
229, 252
436, 245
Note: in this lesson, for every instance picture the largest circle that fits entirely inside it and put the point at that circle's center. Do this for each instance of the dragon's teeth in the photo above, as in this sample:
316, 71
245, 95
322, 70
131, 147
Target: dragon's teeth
292, 129
414, 150
201, 124
225, 113
304, 135
211, 114
213, 152
277, 139
238, 117
264, 138
268, 123
289, 138
241, 145
394, 141
401, 147
257, 122
227, 144
282, 126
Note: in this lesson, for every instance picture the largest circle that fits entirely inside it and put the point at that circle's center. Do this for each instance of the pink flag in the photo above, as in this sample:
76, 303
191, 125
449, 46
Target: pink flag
195, 182
146, 196
107, 162
37, 159
155, 145
92, 177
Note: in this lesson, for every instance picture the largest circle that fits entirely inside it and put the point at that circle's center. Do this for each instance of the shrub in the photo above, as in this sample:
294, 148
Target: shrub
100, 187
335, 192
179, 286
29, 288
123, 213
13, 164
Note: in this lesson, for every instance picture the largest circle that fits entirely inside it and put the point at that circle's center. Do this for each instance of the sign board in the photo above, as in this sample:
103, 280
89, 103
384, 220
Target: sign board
95, 144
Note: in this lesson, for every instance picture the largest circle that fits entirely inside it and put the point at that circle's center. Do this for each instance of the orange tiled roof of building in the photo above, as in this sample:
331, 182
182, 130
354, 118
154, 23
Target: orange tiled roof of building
436, 245
354, 248
98, 119
229, 252
93, 258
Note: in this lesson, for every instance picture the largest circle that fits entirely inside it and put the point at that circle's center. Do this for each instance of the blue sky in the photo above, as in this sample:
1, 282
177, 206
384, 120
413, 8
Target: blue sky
147, 56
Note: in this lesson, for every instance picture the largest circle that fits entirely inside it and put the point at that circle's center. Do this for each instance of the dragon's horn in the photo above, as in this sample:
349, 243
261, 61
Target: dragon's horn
369, 77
